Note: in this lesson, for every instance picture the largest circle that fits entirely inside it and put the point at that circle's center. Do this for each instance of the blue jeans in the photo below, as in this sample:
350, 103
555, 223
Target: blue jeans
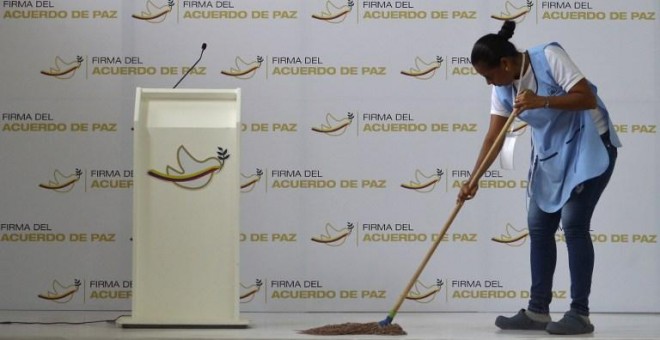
575, 217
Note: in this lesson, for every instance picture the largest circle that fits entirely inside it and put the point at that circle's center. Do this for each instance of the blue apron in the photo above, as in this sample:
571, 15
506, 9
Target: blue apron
567, 149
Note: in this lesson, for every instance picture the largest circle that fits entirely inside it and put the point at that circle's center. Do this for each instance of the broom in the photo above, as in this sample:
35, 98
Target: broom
385, 327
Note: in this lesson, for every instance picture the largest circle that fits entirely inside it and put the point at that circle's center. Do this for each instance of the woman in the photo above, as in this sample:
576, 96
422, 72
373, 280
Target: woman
573, 156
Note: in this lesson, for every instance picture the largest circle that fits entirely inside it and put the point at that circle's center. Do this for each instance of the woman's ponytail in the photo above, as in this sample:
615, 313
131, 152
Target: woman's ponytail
491, 48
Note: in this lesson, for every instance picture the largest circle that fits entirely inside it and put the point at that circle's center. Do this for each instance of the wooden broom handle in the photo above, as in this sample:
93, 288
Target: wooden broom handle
473, 179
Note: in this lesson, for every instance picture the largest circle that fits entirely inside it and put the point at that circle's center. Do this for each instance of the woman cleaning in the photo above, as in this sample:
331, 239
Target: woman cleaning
574, 149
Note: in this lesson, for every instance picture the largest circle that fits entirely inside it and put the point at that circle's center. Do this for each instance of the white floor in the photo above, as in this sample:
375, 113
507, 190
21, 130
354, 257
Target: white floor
439, 326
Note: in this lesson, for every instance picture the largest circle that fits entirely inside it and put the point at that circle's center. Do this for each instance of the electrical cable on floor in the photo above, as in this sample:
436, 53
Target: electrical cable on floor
59, 322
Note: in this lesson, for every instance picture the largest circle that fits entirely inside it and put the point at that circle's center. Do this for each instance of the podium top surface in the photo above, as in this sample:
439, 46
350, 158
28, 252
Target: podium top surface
188, 108
179, 94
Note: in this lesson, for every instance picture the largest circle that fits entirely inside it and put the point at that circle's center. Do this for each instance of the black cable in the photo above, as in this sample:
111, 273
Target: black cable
59, 322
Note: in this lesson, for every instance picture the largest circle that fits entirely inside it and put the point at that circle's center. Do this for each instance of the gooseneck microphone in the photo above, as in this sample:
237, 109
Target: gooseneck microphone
192, 67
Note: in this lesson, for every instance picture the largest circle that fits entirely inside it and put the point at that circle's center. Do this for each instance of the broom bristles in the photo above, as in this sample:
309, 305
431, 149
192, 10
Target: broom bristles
356, 329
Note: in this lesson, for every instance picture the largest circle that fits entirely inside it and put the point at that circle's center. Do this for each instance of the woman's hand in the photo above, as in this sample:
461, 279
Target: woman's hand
527, 99
467, 192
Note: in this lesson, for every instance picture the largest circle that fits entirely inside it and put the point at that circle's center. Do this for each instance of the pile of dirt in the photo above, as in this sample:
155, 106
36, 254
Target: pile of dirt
355, 329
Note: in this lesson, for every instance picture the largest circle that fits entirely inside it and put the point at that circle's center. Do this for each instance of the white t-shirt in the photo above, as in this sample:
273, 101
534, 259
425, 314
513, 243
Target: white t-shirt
565, 73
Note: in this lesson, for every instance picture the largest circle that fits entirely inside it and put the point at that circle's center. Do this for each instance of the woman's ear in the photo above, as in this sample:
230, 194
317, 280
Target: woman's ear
505, 64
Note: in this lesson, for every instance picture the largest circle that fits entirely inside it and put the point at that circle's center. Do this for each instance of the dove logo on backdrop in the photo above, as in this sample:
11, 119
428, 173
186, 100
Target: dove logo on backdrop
251, 180
334, 126
423, 69
333, 236
60, 293
155, 12
423, 292
512, 236
423, 182
514, 10
243, 69
333, 13
249, 292
63, 68
62, 182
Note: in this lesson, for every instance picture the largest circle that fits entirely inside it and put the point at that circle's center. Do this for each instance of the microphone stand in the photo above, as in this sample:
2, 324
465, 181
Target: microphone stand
192, 67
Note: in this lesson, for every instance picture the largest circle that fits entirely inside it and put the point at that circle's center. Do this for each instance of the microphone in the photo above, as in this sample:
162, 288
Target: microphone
192, 67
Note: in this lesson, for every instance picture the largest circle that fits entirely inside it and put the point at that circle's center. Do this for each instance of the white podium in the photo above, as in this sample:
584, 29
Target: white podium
186, 209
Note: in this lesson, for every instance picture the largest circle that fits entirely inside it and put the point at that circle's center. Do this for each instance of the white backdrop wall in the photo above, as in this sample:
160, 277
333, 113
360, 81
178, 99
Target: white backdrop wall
360, 119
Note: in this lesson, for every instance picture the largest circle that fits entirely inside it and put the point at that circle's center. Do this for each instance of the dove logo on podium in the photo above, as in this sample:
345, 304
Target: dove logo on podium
192, 173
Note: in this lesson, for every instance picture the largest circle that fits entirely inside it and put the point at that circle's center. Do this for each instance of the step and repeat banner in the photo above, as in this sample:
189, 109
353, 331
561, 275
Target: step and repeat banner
360, 121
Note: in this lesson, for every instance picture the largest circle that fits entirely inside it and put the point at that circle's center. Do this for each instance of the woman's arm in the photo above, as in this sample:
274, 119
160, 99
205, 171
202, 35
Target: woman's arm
496, 124
579, 97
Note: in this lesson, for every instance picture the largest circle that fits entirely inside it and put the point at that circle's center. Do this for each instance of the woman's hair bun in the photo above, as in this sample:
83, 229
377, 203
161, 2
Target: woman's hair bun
507, 29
